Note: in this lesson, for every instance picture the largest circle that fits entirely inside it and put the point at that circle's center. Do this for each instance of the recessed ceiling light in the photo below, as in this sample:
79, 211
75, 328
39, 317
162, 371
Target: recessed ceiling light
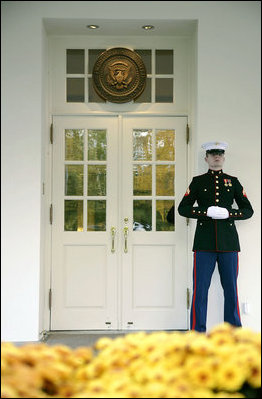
148, 27
92, 26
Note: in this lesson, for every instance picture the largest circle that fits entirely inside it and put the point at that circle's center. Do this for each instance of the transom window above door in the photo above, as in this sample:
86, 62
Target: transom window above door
159, 65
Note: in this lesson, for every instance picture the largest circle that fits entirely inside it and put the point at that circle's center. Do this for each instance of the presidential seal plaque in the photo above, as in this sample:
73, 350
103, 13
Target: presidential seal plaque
119, 75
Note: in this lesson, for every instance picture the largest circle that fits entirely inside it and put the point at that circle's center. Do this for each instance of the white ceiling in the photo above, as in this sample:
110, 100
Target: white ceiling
57, 26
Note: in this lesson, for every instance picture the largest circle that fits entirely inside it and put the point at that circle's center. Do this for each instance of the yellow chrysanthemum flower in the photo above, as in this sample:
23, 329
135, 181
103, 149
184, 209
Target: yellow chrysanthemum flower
224, 328
202, 346
243, 334
202, 376
220, 339
229, 376
54, 375
103, 343
159, 364
12, 354
201, 371
175, 345
175, 360
254, 379
246, 356
134, 339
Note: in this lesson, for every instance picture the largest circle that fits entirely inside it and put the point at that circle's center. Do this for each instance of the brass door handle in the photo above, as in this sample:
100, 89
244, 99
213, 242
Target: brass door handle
125, 236
113, 234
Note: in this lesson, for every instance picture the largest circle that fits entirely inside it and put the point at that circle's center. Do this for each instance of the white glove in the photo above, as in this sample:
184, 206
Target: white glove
216, 212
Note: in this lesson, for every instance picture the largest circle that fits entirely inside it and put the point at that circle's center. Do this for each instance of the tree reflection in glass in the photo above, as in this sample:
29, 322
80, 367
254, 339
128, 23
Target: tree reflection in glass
96, 180
73, 215
97, 145
165, 145
162, 209
74, 144
142, 144
74, 179
96, 215
142, 179
165, 179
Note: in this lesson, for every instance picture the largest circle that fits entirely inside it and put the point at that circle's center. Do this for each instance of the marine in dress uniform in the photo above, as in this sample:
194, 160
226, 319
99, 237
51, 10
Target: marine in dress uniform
216, 238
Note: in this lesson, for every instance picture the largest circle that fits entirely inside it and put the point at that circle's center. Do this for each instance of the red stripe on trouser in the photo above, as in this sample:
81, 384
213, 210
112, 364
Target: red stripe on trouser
194, 297
236, 288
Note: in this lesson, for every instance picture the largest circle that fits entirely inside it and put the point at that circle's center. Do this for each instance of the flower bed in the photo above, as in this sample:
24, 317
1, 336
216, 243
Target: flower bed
225, 363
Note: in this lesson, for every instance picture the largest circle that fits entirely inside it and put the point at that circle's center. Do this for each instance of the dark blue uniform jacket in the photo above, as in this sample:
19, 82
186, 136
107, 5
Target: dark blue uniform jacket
214, 188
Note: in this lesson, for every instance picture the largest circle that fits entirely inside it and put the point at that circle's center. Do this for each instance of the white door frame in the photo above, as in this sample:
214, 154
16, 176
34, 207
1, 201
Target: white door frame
48, 183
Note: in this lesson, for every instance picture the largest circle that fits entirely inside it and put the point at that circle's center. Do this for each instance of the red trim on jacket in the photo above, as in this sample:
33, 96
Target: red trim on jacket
216, 233
236, 288
194, 297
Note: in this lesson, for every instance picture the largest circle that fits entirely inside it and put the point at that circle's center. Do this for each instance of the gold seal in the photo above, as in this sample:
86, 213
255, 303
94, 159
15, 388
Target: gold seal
119, 75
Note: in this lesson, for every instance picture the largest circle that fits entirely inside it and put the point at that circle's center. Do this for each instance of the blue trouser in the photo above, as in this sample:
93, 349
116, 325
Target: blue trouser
204, 266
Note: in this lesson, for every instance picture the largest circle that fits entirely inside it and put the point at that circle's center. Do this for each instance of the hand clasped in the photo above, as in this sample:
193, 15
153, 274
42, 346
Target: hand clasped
216, 212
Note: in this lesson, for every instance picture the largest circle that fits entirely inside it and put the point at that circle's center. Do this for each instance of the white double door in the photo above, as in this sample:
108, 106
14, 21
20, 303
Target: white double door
117, 263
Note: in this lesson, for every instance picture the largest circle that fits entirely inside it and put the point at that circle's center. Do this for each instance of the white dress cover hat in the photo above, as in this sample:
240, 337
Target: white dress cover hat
215, 145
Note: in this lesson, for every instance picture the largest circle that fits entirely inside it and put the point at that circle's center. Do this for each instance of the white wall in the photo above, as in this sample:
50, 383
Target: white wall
229, 109
21, 172
227, 90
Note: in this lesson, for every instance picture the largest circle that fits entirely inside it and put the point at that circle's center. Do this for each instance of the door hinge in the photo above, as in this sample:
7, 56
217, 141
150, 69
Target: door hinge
50, 299
51, 133
187, 298
51, 214
44, 335
187, 134
187, 221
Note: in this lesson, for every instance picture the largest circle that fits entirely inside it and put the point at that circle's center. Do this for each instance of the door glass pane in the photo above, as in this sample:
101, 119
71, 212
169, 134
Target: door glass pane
96, 215
164, 90
75, 61
142, 179
74, 179
96, 180
97, 145
165, 145
75, 90
165, 178
164, 61
74, 144
142, 144
162, 209
73, 215
142, 215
